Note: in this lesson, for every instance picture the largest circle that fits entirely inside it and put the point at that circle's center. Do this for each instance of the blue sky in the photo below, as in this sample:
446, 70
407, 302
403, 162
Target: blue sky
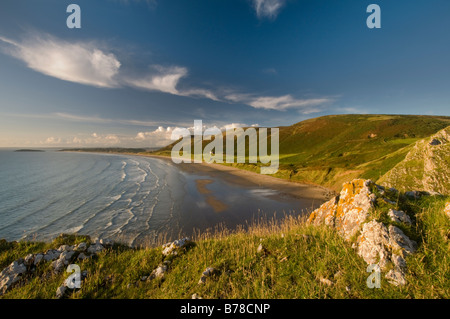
136, 70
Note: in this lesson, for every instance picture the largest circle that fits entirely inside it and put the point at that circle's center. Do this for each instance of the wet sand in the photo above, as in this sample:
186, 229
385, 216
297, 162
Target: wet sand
249, 179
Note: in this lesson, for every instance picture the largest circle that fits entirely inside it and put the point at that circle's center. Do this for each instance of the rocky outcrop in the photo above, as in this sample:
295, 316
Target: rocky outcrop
351, 214
347, 211
59, 259
210, 271
425, 168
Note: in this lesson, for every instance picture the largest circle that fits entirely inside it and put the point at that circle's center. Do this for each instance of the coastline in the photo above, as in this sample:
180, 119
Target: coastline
244, 178
250, 179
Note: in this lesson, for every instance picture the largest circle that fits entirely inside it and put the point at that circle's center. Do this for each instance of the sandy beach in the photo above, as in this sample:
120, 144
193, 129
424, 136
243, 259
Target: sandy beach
249, 179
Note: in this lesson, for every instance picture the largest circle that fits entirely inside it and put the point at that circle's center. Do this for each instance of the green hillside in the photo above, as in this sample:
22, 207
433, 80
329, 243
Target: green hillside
332, 149
425, 168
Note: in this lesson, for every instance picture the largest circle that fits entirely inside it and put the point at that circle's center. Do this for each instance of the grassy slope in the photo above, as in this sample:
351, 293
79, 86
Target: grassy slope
244, 273
425, 168
333, 149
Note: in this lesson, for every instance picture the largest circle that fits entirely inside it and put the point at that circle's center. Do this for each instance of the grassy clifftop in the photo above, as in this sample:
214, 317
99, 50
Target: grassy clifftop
295, 260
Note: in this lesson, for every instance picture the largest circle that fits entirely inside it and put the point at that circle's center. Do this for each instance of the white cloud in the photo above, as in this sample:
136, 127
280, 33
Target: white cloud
166, 79
75, 62
268, 8
279, 103
86, 63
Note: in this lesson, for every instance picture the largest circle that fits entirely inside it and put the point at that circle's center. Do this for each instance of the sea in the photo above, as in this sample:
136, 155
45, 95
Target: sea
136, 200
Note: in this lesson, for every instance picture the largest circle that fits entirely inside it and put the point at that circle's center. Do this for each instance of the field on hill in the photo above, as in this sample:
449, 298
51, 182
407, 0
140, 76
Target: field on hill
333, 149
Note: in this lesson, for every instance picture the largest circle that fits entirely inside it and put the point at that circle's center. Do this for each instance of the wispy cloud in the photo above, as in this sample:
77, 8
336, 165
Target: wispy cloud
268, 8
91, 64
279, 103
75, 62
166, 79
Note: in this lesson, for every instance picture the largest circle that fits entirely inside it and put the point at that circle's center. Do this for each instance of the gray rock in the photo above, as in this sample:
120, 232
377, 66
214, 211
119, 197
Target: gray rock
435, 142
37, 259
170, 248
399, 241
95, 249
399, 216
373, 242
159, 272
63, 248
29, 260
10, 275
396, 277
398, 261
51, 255
68, 256
81, 247
195, 296
58, 265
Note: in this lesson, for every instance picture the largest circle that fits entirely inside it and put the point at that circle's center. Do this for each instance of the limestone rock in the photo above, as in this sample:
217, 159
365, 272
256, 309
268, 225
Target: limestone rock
373, 242
51, 255
65, 248
95, 249
38, 258
396, 277
58, 265
350, 213
159, 272
81, 247
196, 296
399, 216
10, 275
400, 242
347, 211
171, 248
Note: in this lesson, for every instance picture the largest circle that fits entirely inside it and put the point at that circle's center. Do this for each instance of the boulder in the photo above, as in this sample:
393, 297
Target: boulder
95, 249
81, 247
396, 277
159, 272
10, 275
171, 248
37, 259
373, 242
51, 255
58, 265
399, 216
